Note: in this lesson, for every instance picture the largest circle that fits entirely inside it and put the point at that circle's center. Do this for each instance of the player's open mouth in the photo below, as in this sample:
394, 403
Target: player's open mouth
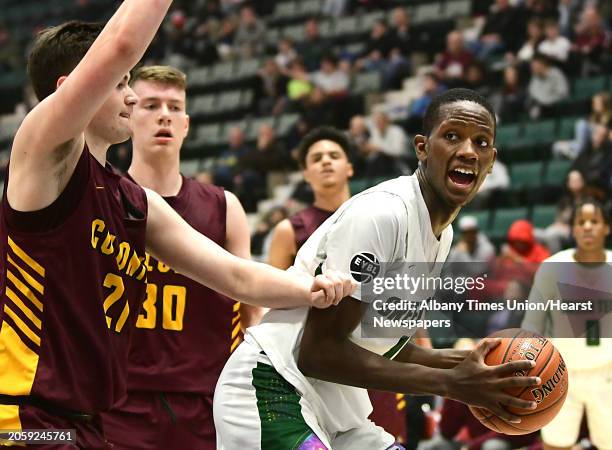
462, 177
163, 135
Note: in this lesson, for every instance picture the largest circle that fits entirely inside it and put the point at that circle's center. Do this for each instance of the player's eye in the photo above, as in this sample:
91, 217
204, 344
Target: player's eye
451, 136
482, 142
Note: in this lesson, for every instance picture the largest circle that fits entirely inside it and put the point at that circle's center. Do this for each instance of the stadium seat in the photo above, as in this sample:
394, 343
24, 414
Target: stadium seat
502, 219
286, 10
295, 32
229, 101
199, 77
284, 124
368, 20
585, 88
366, 82
248, 67
507, 135
556, 172
308, 7
526, 175
347, 26
539, 132
222, 72
356, 185
190, 167
203, 105
427, 12
567, 127
482, 217
253, 129
209, 134
460, 8
543, 215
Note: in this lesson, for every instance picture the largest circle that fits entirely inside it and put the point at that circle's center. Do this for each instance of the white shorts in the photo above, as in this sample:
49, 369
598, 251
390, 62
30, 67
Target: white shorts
590, 391
255, 408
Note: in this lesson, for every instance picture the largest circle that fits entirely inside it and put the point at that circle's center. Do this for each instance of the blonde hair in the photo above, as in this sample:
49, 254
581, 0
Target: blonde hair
167, 75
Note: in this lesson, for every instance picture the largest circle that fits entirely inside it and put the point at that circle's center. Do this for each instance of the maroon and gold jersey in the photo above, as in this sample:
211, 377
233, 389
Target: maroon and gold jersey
185, 331
72, 281
306, 222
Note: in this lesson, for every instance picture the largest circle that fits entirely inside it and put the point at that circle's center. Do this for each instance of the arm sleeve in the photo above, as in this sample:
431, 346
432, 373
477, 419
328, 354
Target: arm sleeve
368, 234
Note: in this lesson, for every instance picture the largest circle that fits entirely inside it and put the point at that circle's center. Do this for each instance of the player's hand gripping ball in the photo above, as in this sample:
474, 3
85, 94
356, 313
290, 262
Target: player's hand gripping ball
518, 344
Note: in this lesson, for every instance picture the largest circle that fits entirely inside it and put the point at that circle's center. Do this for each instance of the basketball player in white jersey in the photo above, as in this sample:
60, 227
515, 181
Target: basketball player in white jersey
583, 272
297, 381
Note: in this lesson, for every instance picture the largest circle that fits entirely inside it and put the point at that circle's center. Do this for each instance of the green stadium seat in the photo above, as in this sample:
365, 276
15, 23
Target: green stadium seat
204, 104
543, 215
248, 67
296, 33
189, 167
200, 77
526, 175
502, 219
229, 101
454, 9
556, 171
253, 130
482, 217
585, 88
308, 7
356, 185
223, 71
368, 20
285, 10
567, 127
427, 12
366, 82
209, 133
284, 124
507, 135
539, 132
346, 25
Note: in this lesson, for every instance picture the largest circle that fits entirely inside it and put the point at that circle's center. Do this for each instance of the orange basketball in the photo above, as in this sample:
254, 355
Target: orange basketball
517, 345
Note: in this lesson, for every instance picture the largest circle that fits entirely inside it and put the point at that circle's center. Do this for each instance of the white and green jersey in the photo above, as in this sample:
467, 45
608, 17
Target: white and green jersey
560, 277
388, 223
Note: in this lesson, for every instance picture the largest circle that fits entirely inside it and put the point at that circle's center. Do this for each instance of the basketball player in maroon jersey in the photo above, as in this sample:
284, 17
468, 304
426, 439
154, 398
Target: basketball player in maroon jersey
324, 155
171, 379
73, 235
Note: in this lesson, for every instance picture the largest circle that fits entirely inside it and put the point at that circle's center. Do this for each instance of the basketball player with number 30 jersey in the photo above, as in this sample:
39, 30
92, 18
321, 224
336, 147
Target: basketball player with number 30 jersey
185, 331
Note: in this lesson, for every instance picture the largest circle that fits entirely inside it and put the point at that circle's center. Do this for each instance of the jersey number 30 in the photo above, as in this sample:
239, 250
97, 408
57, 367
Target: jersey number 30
173, 307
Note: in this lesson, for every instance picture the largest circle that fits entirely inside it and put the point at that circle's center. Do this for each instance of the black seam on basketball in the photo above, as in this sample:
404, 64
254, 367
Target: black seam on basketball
509, 347
544, 366
545, 409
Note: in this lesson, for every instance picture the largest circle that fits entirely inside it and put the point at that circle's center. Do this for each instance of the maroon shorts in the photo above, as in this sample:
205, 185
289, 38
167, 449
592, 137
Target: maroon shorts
89, 434
390, 413
152, 420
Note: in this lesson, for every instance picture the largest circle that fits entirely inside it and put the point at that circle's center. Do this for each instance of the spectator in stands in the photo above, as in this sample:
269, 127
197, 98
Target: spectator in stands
388, 143
535, 35
452, 64
596, 161
312, 49
473, 249
547, 87
377, 47
286, 54
261, 238
430, 88
557, 234
509, 102
503, 30
555, 46
332, 80
403, 39
541, 8
10, 57
299, 85
601, 113
250, 180
591, 41
226, 164
476, 80
522, 246
359, 133
495, 183
250, 37
271, 89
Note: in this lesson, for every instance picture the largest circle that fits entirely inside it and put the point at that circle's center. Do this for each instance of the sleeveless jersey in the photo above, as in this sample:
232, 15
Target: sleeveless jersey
305, 223
72, 280
185, 331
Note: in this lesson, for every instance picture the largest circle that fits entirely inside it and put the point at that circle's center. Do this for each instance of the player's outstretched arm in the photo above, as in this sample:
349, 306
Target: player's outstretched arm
171, 240
470, 381
52, 131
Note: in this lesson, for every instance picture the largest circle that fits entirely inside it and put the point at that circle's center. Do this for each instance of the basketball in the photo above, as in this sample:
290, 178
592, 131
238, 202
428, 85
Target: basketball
518, 344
